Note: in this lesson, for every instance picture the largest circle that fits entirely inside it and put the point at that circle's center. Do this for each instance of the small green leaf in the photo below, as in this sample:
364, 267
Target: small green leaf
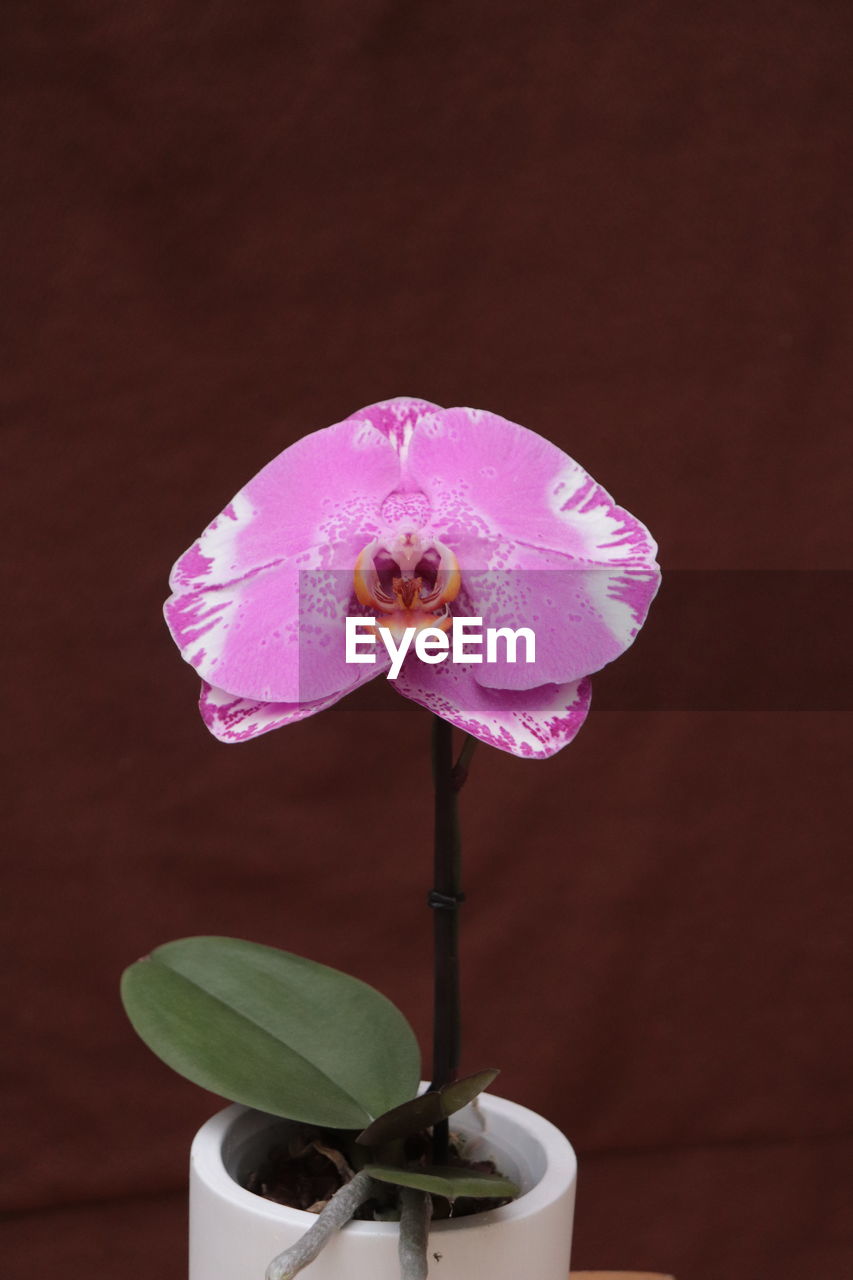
427, 1110
273, 1030
459, 1093
447, 1181
409, 1117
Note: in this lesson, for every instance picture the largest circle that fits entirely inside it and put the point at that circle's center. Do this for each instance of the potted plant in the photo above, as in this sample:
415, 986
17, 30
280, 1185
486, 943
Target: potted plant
480, 569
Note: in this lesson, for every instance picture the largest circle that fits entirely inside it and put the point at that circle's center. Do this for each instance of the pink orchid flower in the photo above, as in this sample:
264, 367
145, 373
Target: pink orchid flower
413, 514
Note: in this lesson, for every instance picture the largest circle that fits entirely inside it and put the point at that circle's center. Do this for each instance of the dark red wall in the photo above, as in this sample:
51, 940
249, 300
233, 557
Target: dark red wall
626, 225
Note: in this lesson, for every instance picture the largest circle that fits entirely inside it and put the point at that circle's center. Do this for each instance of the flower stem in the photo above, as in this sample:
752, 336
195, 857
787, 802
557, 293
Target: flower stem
444, 899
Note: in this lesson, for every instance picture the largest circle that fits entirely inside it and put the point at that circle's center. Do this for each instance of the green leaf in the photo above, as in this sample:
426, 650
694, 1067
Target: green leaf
273, 1030
427, 1110
459, 1093
446, 1181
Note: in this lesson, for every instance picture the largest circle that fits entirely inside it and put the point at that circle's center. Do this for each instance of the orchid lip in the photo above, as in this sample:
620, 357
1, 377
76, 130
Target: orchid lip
409, 581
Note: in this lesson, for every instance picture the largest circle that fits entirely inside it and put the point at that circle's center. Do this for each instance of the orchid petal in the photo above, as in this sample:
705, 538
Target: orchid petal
245, 611
491, 482
540, 544
396, 419
233, 719
533, 724
582, 617
325, 489
274, 636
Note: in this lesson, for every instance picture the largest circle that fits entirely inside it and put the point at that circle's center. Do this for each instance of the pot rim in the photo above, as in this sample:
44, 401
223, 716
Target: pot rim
560, 1170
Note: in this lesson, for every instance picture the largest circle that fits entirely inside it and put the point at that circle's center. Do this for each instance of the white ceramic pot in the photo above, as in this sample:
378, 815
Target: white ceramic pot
234, 1234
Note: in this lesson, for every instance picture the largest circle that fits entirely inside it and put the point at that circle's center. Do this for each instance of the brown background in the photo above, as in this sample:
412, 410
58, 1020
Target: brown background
626, 225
